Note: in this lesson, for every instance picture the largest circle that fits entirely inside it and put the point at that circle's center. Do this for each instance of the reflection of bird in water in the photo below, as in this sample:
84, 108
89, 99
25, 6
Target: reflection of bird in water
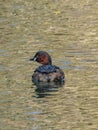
46, 72
47, 88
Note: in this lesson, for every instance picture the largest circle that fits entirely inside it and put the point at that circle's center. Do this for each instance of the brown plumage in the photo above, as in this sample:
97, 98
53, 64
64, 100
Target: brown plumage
46, 72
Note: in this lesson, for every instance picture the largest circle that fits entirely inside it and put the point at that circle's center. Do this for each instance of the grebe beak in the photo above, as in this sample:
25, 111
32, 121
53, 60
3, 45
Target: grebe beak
33, 59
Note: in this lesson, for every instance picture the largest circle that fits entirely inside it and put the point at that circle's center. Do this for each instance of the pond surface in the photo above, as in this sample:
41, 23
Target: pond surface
66, 29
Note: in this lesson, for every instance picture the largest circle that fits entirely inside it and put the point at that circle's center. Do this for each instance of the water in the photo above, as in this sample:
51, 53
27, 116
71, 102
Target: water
68, 31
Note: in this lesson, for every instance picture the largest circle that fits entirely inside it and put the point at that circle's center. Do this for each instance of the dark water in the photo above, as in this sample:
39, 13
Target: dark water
68, 30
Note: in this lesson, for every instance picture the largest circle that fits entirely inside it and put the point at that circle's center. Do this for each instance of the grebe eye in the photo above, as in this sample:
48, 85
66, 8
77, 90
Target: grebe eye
40, 58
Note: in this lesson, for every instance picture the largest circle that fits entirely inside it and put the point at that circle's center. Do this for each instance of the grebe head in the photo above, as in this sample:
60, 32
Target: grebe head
42, 57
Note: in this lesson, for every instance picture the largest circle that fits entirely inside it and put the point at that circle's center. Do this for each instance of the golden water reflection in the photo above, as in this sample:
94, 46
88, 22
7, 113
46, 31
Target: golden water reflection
68, 31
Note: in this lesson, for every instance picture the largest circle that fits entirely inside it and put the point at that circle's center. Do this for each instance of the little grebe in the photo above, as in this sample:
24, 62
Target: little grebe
46, 72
